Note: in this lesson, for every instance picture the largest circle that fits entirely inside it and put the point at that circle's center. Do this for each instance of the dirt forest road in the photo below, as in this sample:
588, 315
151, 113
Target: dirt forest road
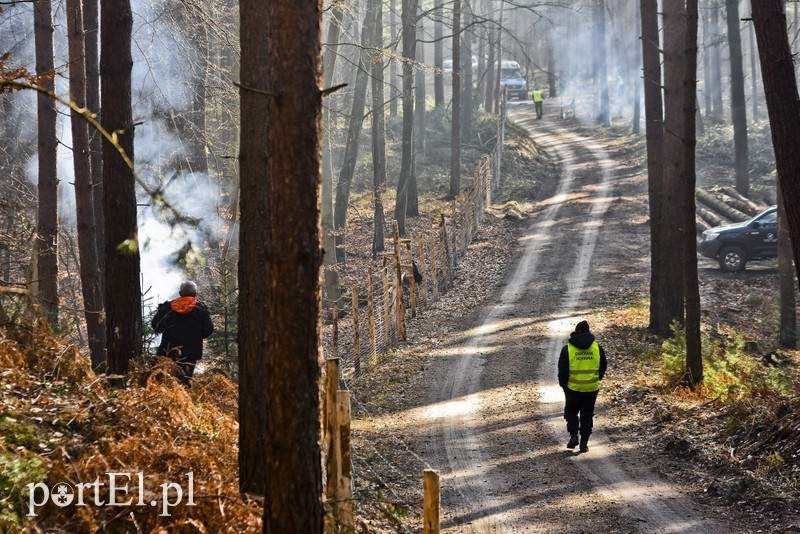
493, 410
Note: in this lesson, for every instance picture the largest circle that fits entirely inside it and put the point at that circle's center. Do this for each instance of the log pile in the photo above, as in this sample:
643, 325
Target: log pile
725, 205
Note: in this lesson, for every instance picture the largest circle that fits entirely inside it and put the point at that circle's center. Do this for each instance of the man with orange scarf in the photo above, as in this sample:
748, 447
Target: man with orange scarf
183, 324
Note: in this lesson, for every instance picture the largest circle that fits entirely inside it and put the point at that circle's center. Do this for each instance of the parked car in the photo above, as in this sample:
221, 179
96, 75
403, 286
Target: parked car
733, 245
511, 78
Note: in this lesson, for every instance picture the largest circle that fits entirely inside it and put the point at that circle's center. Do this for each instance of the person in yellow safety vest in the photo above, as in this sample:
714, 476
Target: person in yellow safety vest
537, 101
581, 366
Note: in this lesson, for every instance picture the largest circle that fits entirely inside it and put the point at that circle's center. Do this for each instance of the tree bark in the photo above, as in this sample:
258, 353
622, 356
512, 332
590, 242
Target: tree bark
254, 293
672, 294
490, 68
393, 93
84, 202
654, 133
706, 65
123, 294
293, 500
406, 163
378, 134
602, 66
637, 97
353, 138
46, 245
783, 107
438, 54
455, 141
694, 356
738, 104
466, 81
788, 301
753, 73
716, 63
328, 70
91, 22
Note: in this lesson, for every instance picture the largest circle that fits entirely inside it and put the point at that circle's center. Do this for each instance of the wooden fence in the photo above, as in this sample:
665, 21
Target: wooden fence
368, 323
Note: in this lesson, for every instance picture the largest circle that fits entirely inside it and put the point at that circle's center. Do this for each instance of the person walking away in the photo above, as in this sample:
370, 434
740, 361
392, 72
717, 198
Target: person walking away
183, 324
581, 365
537, 101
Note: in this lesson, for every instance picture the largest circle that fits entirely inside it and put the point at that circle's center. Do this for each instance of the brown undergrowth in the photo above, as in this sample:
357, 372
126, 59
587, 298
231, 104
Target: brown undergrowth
60, 424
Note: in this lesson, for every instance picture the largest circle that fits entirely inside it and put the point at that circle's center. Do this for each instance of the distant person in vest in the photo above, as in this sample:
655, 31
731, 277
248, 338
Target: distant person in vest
581, 366
183, 324
538, 99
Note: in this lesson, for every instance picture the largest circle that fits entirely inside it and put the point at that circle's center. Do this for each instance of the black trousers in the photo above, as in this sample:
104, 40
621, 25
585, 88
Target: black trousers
579, 411
538, 109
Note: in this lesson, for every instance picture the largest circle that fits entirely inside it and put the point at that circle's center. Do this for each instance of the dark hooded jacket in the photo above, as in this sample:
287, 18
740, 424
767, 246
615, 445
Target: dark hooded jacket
183, 324
582, 340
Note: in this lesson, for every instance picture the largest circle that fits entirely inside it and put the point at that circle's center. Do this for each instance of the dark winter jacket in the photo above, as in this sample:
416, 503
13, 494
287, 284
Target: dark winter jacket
581, 340
183, 324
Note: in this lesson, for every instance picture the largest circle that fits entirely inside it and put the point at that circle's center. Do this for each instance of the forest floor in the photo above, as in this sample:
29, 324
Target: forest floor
472, 392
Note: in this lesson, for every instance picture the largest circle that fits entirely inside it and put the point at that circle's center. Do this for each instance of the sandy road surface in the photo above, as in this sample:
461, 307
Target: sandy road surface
491, 413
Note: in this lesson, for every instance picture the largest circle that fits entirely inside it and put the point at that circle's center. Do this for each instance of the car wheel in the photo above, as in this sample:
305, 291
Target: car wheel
732, 259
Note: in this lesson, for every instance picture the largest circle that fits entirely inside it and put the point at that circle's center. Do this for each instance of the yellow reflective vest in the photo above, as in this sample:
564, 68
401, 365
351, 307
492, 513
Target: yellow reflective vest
537, 95
584, 368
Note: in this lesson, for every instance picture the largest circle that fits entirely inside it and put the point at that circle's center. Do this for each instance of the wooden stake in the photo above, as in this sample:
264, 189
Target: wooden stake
373, 352
331, 426
356, 341
434, 266
401, 307
344, 494
385, 276
425, 274
413, 285
431, 502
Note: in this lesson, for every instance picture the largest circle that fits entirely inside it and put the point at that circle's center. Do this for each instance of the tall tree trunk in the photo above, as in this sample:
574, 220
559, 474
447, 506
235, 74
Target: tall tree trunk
602, 66
353, 137
466, 80
499, 60
637, 97
91, 21
328, 70
716, 63
706, 65
753, 72
420, 137
406, 162
46, 246
455, 140
123, 304
280, 180
654, 132
393, 93
783, 107
788, 304
293, 260
694, 356
491, 63
672, 295
438, 54
254, 293
738, 104
198, 161
84, 202
378, 133
551, 69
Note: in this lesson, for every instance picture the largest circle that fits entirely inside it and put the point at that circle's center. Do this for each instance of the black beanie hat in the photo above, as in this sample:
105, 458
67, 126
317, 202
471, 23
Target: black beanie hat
581, 327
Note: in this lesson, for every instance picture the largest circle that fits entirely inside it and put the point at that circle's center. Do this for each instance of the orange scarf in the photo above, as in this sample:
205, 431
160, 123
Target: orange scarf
183, 305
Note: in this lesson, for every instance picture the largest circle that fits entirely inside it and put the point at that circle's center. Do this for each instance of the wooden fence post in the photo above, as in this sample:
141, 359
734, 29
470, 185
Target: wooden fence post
413, 283
431, 502
344, 483
373, 352
356, 340
434, 265
385, 276
423, 268
331, 430
401, 307
445, 258
335, 312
